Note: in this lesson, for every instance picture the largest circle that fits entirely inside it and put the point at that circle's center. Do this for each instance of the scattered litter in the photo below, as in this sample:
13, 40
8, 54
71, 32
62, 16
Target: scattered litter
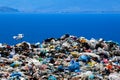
66, 58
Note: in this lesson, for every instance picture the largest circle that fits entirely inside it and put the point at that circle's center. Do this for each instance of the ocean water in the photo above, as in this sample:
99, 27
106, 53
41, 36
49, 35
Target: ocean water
37, 27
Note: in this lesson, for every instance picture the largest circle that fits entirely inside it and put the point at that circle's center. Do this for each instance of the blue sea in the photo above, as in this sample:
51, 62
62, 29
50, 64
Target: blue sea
37, 27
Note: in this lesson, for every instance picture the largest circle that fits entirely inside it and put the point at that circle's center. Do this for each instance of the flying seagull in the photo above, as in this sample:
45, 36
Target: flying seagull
18, 37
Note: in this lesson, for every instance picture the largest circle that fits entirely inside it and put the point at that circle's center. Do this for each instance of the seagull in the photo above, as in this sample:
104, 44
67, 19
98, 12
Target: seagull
19, 36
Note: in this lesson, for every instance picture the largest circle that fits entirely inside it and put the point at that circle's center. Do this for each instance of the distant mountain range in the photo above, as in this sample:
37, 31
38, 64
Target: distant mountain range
8, 9
69, 10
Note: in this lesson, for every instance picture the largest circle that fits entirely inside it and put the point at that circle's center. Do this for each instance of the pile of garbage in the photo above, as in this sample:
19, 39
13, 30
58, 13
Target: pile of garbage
65, 58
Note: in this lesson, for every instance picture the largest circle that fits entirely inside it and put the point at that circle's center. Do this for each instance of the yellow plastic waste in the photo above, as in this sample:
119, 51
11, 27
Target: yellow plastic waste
15, 58
91, 63
52, 47
75, 47
16, 65
83, 40
74, 54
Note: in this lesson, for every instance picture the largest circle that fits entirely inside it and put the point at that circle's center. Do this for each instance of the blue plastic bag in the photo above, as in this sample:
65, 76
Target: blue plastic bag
16, 74
84, 58
74, 66
12, 65
10, 56
52, 78
60, 68
91, 77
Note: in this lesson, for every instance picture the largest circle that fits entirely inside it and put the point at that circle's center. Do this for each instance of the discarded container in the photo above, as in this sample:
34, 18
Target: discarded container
52, 77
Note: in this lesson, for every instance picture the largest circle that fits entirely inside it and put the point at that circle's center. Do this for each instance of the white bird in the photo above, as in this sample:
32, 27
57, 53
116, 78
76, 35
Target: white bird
19, 36
38, 43
14, 37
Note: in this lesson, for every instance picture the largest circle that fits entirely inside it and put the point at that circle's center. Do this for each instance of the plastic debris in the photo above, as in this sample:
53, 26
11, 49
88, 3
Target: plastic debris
66, 58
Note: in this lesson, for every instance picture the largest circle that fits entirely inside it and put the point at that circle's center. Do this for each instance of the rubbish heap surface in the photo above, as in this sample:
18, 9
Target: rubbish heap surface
65, 58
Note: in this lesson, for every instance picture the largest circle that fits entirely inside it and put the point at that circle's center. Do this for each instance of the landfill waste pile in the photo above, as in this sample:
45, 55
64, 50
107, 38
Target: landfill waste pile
65, 58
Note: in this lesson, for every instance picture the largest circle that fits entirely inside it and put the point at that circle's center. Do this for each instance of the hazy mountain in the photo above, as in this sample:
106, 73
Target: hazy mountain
8, 9
61, 6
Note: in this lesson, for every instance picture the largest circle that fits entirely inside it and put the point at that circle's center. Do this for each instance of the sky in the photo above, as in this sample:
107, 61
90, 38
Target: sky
62, 5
